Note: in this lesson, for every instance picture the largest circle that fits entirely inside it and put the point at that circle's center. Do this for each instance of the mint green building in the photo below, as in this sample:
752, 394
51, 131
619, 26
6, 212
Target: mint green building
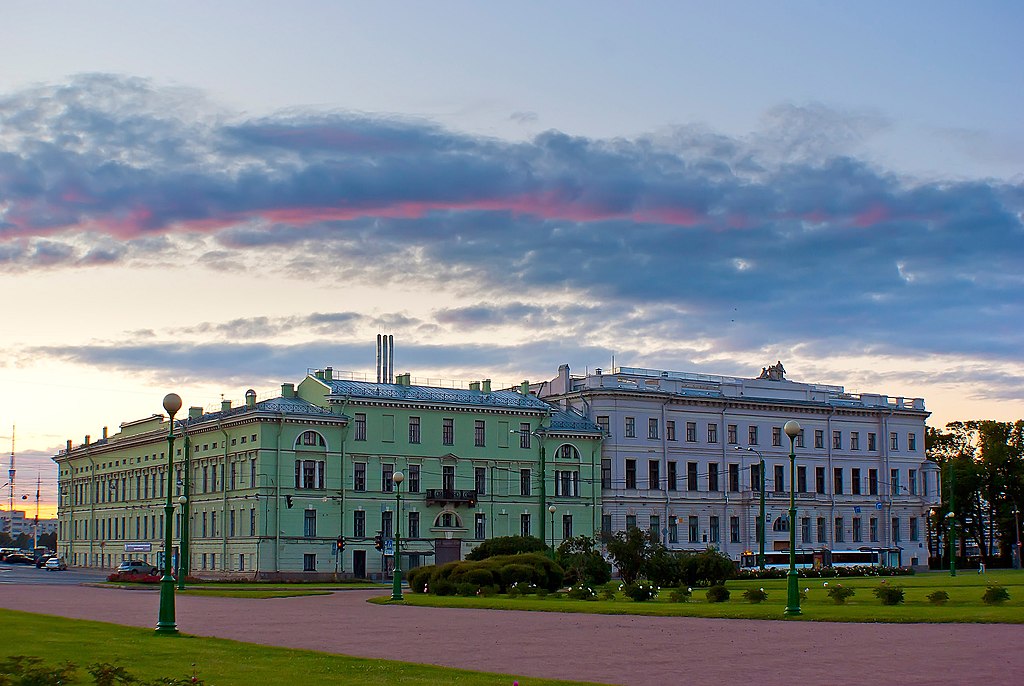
301, 485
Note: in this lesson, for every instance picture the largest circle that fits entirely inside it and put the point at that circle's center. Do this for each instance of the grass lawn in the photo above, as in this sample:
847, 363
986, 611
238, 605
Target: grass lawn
965, 605
217, 662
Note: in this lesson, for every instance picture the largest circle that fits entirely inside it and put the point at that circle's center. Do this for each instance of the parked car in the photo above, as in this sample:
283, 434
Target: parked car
136, 567
20, 559
56, 563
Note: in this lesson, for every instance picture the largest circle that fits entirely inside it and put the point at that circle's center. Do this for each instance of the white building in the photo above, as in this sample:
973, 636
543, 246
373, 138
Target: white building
24, 525
681, 457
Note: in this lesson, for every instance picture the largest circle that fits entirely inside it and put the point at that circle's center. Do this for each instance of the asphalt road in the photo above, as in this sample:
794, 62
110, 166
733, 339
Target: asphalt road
636, 651
30, 574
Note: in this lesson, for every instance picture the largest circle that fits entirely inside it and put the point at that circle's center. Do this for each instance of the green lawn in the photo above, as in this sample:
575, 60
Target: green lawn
217, 662
965, 605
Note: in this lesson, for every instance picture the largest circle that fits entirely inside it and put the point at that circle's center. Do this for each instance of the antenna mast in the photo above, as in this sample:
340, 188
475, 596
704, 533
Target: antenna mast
35, 525
10, 478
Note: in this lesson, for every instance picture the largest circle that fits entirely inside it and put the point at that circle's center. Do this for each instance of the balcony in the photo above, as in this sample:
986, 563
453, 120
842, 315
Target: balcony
447, 496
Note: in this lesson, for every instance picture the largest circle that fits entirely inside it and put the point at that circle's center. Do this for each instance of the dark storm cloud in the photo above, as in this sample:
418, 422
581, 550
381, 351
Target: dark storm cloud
784, 236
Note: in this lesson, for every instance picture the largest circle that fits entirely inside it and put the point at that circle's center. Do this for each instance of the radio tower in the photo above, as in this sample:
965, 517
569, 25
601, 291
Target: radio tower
35, 526
10, 478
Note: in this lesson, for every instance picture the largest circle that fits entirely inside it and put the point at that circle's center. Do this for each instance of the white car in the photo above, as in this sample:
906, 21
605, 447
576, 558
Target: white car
56, 563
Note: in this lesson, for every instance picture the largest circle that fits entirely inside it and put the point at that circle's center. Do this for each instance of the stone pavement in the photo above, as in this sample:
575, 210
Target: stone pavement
636, 651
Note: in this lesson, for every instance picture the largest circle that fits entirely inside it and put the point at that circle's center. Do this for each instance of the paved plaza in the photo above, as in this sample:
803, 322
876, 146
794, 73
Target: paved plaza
638, 651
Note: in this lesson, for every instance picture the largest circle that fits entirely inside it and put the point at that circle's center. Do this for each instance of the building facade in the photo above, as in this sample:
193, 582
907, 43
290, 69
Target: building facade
682, 457
301, 484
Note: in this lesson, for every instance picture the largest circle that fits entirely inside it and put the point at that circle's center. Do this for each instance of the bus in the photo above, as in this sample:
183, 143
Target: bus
866, 557
779, 559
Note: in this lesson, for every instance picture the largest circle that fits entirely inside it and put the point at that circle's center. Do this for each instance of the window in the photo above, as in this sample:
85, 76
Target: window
567, 483
480, 526
233, 466
840, 535
524, 483
858, 535
805, 529
837, 440
524, 524
894, 441
691, 476
694, 530
653, 476
734, 478
732, 434
819, 438
524, 435
872, 482
713, 529
566, 526
606, 472
309, 524
606, 525
780, 478
894, 482
855, 481
776, 435
630, 473
819, 480
231, 523
691, 432
309, 562
820, 530
801, 479
673, 530
309, 473
448, 431
652, 428
387, 470
781, 524
630, 427
751, 435
414, 429
854, 440
871, 442
252, 521
712, 433
448, 477
308, 438
359, 476
655, 526
413, 478
734, 529
479, 429
895, 529
359, 523
386, 524
912, 442
480, 480
914, 533
912, 481
837, 480
873, 529
630, 522
800, 439
670, 430
360, 426
712, 476
604, 424
755, 477
414, 525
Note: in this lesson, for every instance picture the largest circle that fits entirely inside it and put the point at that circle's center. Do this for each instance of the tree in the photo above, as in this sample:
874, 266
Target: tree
630, 550
582, 562
507, 545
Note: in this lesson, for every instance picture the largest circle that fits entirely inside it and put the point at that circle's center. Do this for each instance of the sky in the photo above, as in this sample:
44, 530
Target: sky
209, 197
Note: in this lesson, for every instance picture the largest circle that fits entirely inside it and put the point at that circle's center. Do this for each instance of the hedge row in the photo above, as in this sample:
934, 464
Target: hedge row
494, 574
825, 572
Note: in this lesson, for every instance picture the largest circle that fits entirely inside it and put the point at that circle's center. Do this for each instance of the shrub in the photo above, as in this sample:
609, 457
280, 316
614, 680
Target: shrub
608, 594
464, 588
521, 588
506, 545
640, 591
543, 592
717, 594
512, 574
442, 587
839, 593
582, 592
755, 595
889, 594
419, 578
938, 597
680, 595
995, 595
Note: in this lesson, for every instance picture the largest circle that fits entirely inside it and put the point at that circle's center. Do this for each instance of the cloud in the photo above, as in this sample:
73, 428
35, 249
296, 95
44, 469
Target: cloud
783, 236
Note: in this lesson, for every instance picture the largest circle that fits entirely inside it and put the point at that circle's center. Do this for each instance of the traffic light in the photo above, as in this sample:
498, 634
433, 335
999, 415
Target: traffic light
378, 541
288, 500
341, 544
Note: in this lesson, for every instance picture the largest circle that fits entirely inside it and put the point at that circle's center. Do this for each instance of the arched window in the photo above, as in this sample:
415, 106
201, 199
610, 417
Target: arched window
781, 524
311, 438
448, 520
568, 452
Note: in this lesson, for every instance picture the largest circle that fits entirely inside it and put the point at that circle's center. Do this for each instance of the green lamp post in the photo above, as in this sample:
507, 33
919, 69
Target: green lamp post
792, 429
760, 519
951, 521
165, 622
551, 510
183, 554
396, 589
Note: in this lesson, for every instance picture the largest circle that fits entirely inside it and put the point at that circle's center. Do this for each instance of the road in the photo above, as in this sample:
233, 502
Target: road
30, 574
637, 651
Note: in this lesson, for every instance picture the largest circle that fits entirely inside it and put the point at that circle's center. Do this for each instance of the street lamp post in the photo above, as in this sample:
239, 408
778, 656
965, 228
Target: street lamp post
951, 521
552, 509
396, 589
792, 429
165, 622
1016, 527
183, 554
183, 537
760, 519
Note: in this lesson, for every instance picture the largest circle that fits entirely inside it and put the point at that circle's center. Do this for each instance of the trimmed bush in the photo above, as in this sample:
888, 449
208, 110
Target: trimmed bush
640, 591
680, 595
889, 594
938, 597
995, 595
582, 592
717, 594
755, 595
506, 545
608, 594
839, 593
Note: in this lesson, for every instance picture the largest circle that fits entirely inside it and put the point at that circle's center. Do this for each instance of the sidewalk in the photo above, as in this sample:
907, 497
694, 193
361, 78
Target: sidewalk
616, 649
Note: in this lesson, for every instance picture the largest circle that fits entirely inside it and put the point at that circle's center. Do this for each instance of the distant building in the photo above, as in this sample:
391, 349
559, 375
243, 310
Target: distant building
25, 525
680, 457
275, 485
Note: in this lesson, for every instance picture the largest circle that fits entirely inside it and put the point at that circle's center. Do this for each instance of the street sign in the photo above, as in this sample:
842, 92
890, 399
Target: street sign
138, 547
389, 546
878, 506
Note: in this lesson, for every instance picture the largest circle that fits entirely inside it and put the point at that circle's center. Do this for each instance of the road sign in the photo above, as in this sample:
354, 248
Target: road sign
138, 547
389, 546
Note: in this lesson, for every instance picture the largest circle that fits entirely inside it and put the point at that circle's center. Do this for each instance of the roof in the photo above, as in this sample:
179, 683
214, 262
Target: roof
452, 396
289, 406
568, 420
